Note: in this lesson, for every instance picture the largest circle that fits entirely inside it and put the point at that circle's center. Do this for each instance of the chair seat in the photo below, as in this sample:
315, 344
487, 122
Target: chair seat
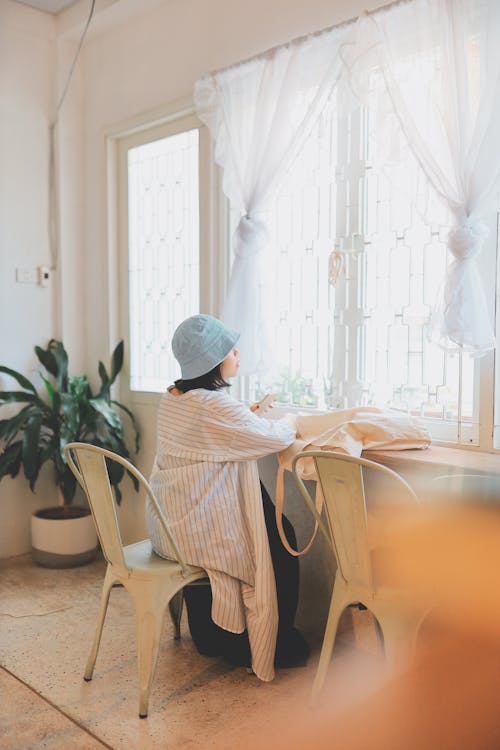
141, 556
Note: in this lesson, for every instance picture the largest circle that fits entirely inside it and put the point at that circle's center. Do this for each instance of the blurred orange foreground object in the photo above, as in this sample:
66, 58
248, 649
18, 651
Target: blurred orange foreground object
448, 696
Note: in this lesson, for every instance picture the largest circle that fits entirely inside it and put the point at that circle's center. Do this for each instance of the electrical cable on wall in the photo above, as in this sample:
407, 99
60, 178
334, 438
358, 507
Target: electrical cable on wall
53, 202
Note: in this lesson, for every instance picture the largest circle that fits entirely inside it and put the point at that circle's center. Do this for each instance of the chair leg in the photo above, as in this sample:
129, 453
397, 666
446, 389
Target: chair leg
399, 638
337, 606
106, 589
380, 634
149, 607
175, 608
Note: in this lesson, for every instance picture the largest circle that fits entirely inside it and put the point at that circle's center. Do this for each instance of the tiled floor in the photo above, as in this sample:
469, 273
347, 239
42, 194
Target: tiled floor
47, 620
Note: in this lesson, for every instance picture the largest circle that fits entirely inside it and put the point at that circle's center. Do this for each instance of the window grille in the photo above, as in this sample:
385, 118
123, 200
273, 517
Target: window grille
163, 252
362, 341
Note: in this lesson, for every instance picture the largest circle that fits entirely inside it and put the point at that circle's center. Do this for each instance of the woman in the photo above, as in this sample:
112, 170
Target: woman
206, 478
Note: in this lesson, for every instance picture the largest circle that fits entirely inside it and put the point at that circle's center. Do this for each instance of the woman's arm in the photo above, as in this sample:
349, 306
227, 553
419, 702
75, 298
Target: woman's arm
245, 435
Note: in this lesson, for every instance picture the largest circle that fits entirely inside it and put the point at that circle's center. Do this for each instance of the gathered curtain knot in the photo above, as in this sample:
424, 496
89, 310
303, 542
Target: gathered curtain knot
465, 241
250, 237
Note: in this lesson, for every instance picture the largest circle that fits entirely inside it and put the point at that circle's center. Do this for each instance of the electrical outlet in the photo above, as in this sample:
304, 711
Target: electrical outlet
43, 275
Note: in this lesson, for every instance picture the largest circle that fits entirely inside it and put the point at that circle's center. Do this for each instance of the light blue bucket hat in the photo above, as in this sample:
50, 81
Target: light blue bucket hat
200, 343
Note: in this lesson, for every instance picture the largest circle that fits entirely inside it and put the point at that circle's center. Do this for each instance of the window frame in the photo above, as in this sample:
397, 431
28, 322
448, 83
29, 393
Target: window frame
213, 211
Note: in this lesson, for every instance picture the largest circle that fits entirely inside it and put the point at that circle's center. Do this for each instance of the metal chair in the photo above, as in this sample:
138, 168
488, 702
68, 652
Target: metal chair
152, 581
357, 578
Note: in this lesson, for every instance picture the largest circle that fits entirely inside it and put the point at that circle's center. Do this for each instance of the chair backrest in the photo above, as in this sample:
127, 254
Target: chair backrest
88, 464
341, 481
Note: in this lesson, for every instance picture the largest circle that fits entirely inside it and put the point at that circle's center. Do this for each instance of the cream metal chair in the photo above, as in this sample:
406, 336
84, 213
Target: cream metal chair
340, 479
152, 581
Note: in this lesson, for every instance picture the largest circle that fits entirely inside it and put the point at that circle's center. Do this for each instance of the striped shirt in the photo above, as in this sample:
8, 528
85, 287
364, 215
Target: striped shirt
206, 480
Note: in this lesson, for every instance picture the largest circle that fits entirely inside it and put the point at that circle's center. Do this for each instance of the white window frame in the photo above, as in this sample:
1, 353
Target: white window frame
213, 220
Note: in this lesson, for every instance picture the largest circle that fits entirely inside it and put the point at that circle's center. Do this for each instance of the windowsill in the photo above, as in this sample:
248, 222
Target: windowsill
438, 457
279, 410
440, 453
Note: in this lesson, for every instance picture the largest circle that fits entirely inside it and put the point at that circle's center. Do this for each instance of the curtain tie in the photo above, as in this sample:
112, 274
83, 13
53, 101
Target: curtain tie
465, 241
335, 266
250, 237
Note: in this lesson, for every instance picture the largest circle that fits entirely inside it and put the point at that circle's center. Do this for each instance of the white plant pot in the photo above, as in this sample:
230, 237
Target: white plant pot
63, 540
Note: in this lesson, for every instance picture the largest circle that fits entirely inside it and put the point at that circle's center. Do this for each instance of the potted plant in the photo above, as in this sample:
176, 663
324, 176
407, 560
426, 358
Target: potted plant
37, 434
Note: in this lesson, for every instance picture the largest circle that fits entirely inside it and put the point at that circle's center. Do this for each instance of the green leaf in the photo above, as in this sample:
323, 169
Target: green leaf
61, 357
68, 485
47, 359
10, 460
108, 439
78, 386
134, 423
19, 397
107, 411
10, 427
54, 397
116, 474
31, 440
49, 451
71, 414
118, 494
103, 375
16, 463
116, 362
135, 481
59, 460
115, 471
55, 361
23, 382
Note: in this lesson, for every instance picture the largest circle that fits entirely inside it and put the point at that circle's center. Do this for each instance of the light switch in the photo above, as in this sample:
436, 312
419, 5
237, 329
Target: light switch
25, 275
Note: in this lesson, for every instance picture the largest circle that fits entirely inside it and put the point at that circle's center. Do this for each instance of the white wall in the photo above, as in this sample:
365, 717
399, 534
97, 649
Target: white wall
27, 312
26, 93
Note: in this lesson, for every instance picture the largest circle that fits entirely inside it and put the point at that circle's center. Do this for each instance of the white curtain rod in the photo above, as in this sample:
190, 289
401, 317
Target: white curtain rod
299, 39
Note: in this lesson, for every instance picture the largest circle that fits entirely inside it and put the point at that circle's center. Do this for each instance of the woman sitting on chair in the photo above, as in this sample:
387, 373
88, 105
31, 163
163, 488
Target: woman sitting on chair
206, 479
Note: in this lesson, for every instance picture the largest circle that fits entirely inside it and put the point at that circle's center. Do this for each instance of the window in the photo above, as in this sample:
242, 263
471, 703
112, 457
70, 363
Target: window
362, 338
379, 236
163, 254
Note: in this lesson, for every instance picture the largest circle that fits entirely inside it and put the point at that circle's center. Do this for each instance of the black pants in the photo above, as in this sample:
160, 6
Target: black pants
210, 639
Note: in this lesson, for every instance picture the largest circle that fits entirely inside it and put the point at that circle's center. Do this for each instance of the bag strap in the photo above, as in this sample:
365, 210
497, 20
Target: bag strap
280, 499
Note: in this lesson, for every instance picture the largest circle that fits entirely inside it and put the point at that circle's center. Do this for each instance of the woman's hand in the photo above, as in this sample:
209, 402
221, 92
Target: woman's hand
257, 407
264, 405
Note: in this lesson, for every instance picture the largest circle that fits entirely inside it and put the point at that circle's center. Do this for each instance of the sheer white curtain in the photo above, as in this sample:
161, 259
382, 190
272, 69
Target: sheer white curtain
259, 114
440, 63
437, 65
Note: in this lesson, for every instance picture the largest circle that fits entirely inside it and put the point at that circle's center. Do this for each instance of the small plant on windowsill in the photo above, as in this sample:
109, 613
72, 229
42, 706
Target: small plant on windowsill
69, 412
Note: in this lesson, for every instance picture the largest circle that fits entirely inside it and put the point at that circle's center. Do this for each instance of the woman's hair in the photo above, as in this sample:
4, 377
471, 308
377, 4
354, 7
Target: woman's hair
210, 381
